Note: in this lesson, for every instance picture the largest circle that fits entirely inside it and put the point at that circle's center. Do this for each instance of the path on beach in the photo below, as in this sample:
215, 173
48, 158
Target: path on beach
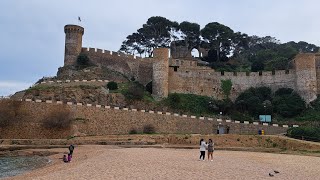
110, 162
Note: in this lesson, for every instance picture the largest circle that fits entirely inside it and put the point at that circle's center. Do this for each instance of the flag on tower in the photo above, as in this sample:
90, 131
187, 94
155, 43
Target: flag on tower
79, 19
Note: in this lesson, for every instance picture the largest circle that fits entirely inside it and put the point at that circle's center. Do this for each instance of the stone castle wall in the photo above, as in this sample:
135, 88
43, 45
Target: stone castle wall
207, 82
99, 120
130, 66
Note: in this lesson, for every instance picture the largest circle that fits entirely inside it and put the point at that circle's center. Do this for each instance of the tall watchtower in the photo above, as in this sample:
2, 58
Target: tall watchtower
73, 43
306, 74
160, 76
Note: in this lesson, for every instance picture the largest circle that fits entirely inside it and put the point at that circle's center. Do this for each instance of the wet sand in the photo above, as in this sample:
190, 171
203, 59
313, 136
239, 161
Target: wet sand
111, 162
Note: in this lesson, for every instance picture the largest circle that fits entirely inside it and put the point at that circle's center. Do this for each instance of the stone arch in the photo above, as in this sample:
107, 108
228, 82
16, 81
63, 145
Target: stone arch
195, 53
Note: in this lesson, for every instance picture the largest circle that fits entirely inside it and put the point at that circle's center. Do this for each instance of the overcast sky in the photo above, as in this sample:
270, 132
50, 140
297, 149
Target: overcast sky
32, 37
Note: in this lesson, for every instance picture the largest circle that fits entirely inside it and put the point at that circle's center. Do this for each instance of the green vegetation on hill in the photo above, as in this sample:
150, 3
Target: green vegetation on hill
189, 103
133, 91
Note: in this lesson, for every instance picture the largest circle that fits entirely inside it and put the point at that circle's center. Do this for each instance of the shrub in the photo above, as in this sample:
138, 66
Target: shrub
58, 118
112, 85
288, 105
307, 133
83, 60
135, 92
9, 112
133, 131
173, 99
149, 129
199, 105
226, 86
283, 91
240, 116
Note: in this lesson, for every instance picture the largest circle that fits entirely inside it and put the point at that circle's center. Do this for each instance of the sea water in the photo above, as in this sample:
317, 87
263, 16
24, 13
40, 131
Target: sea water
11, 166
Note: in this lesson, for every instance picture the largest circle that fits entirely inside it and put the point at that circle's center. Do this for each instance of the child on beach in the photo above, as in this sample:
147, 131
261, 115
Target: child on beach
69, 157
65, 159
203, 147
210, 149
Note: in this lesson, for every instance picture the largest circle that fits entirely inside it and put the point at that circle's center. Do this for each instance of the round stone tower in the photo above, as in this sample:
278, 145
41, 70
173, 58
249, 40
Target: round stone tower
160, 73
73, 43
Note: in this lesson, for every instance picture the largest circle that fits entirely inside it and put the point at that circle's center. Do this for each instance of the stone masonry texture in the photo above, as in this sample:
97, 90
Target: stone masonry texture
182, 75
92, 121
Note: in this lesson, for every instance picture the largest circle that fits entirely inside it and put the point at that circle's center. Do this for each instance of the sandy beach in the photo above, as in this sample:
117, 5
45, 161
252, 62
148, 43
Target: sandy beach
111, 162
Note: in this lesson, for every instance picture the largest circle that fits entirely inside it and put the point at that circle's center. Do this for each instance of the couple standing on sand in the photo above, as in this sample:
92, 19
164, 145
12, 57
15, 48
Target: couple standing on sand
209, 147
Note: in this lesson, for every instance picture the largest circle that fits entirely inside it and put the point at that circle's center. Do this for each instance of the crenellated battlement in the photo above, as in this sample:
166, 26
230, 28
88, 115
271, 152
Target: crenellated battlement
73, 29
107, 53
207, 73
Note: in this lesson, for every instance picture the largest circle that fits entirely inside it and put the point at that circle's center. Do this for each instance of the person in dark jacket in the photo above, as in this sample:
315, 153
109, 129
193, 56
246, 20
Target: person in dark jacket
71, 148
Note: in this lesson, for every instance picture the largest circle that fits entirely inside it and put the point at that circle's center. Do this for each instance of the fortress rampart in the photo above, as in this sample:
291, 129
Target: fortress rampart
208, 82
101, 120
169, 75
131, 66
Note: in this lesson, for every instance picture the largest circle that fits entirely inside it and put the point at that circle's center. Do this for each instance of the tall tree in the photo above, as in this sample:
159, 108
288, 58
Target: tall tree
157, 32
190, 34
219, 37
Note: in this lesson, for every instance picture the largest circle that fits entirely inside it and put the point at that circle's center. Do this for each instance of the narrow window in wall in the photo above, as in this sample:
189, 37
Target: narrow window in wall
222, 73
175, 68
287, 71
260, 73
273, 72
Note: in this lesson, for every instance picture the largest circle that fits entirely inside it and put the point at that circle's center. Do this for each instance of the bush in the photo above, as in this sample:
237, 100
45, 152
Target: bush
134, 92
199, 105
226, 86
288, 105
9, 112
58, 118
112, 85
253, 101
306, 133
173, 99
283, 91
149, 129
133, 131
240, 116
83, 60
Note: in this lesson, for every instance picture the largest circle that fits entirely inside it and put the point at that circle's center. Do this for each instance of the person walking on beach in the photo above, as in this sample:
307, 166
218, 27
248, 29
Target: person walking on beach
210, 149
203, 147
71, 148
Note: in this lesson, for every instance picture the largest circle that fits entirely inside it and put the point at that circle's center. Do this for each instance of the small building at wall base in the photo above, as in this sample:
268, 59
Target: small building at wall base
183, 75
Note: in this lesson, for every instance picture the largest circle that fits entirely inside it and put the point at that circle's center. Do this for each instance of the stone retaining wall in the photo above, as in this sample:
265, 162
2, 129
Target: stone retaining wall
105, 120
